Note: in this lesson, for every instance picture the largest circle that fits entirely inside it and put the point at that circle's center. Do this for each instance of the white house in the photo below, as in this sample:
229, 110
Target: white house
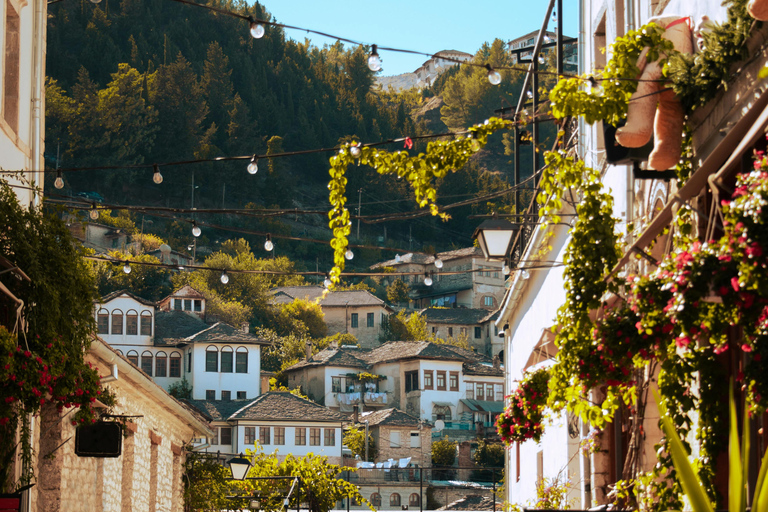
218, 361
22, 94
277, 420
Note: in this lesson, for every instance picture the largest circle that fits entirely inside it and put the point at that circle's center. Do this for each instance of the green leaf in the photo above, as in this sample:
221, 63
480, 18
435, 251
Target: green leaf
736, 473
692, 486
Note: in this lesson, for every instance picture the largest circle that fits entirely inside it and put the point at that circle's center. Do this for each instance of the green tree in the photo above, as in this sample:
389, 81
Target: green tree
489, 455
206, 483
444, 452
404, 327
300, 317
181, 389
146, 281
397, 292
354, 437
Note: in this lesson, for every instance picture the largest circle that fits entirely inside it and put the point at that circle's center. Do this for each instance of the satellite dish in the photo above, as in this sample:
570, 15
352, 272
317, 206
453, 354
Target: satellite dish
439, 425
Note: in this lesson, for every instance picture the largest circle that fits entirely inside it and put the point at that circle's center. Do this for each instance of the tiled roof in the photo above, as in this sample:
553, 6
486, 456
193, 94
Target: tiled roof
423, 259
283, 406
350, 298
225, 333
118, 293
174, 326
391, 417
344, 356
218, 410
299, 292
482, 368
397, 350
466, 316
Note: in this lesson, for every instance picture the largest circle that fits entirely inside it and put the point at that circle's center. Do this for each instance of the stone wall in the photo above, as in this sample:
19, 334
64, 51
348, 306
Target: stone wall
146, 476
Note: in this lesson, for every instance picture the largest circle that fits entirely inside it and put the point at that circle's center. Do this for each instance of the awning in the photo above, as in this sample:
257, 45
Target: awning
483, 405
545, 349
722, 159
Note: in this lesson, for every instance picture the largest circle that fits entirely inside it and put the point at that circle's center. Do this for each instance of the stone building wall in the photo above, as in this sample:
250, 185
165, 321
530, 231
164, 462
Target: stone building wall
146, 476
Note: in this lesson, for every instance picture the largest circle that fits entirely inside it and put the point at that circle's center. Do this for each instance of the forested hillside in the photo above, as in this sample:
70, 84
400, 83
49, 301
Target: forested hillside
155, 81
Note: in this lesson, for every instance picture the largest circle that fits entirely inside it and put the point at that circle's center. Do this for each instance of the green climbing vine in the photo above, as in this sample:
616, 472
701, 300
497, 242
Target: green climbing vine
420, 171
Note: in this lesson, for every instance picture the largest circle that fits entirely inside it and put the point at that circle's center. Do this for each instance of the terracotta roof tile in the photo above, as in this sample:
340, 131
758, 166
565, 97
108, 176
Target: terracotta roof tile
118, 293
343, 356
225, 333
283, 406
391, 417
467, 316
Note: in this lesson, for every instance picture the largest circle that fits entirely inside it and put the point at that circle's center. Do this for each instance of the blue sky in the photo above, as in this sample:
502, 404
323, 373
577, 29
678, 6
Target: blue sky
427, 26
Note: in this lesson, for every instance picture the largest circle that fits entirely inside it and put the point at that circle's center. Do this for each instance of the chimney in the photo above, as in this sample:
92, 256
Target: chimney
496, 361
356, 410
245, 327
309, 350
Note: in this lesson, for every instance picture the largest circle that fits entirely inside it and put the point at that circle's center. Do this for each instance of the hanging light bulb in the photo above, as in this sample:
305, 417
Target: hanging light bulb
253, 167
59, 182
505, 269
397, 258
542, 59
547, 39
224, 277
127, 268
595, 87
157, 177
94, 213
427, 280
327, 282
196, 229
525, 274
493, 76
349, 254
438, 262
354, 150
257, 29
529, 94
374, 61
554, 17
94, 2
268, 245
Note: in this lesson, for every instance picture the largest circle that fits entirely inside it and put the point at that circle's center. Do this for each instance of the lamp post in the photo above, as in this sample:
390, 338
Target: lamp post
495, 238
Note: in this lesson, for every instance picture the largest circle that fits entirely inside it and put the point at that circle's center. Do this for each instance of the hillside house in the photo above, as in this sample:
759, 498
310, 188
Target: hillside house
356, 312
476, 325
219, 361
466, 279
277, 420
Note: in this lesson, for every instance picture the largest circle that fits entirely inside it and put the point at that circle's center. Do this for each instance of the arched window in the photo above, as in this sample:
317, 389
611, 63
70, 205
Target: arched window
413, 500
119, 352
146, 323
241, 360
103, 321
146, 362
376, 499
161, 364
174, 369
133, 357
117, 321
211, 359
441, 412
132, 323
226, 359
394, 500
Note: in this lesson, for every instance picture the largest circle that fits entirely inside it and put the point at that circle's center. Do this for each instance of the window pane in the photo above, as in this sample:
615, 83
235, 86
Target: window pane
210, 394
132, 325
428, 383
175, 368
478, 332
146, 325
134, 358
330, 437
187, 305
226, 362
280, 435
117, 323
241, 395
314, 437
454, 381
250, 435
160, 366
394, 500
336, 384
471, 390
370, 320
241, 362
225, 435
301, 436
198, 305
353, 320
226, 395
211, 361
146, 364
103, 323
264, 435
441, 381
177, 304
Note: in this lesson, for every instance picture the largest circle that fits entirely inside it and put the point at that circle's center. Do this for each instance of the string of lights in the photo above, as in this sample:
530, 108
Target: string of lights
226, 272
256, 27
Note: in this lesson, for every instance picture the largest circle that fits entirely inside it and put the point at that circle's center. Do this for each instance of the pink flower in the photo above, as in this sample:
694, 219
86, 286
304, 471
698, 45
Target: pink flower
735, 284
746, 348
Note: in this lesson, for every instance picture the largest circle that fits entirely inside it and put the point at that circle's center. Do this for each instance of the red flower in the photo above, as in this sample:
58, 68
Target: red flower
735, 283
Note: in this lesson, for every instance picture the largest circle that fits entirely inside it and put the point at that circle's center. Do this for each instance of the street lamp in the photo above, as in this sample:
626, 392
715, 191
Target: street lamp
495, 238
239, 467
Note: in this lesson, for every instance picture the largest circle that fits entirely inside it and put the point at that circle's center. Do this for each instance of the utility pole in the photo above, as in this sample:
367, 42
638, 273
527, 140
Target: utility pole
192, 207
359, 204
